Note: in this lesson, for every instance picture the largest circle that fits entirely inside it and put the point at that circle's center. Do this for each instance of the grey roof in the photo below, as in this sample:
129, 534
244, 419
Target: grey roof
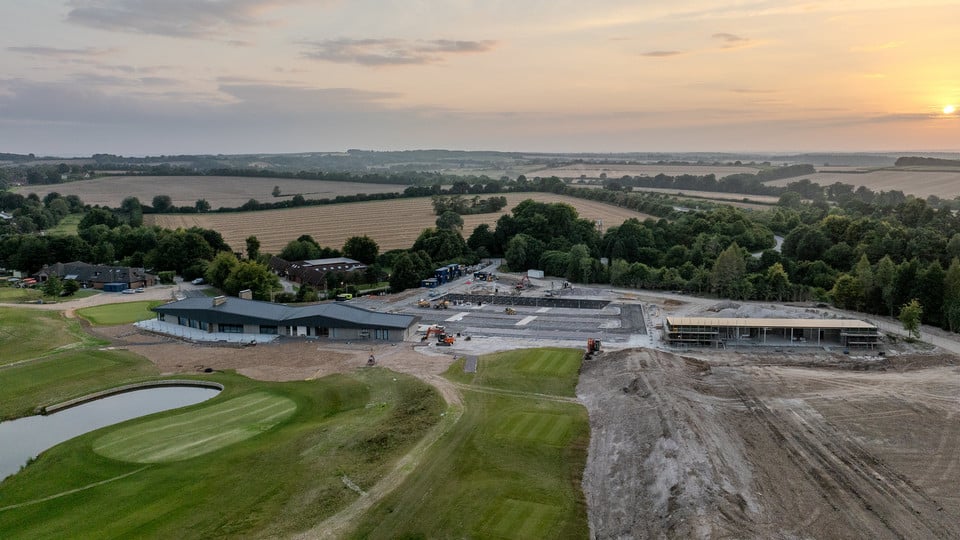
257, 312
332, 260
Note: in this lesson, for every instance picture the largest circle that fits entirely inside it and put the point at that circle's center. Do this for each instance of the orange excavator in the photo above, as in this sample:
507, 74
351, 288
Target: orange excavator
443, 339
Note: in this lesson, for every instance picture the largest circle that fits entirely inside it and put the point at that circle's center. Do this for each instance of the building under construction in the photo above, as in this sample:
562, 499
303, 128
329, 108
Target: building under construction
723, 332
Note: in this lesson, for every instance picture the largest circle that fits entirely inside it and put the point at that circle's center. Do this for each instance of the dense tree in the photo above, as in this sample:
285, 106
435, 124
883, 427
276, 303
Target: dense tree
361, 248
162, 203
253, 248
450, 220
53, 286
404, 275
728, 272
254, 276
220, 269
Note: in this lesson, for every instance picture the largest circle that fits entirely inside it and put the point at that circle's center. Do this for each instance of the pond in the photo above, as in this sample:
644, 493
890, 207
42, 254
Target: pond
25, 438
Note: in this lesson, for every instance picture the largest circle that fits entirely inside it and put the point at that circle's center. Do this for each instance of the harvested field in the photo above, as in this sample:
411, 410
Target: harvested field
219, 191
921, 183
716, 195
726, 447
393, 224
593, 170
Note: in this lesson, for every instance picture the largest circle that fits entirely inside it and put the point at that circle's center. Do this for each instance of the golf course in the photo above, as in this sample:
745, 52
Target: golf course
282, 459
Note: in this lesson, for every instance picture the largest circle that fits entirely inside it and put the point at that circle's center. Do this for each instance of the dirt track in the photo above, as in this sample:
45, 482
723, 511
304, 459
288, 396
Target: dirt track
682, 449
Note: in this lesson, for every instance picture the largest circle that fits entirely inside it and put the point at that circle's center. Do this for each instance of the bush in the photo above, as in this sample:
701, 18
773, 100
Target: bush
166, 277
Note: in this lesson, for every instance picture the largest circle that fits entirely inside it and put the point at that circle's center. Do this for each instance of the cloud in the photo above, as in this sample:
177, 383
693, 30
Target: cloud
173, 18
731, 41
391, 52
54, 52
662, 54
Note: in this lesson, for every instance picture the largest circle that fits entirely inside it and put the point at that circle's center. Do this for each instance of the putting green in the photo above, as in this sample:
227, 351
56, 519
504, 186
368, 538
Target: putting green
552, 429
198, 432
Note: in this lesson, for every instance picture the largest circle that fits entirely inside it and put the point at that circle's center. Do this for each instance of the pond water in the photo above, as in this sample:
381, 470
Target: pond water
25, 438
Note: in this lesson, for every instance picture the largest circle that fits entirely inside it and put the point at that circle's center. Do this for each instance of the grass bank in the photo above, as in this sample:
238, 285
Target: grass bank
303, 445
66, 375
27, 333
122, 313
510, 468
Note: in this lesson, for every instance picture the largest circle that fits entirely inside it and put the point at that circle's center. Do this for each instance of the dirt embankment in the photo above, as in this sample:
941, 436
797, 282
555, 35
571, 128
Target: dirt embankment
680, 449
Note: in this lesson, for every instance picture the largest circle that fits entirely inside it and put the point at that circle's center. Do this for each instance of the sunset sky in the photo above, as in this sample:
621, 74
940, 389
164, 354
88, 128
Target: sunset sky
137, 77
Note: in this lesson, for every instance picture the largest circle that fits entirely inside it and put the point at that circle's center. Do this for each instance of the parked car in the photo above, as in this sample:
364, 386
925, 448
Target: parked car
198, 281
128, 291
140, 289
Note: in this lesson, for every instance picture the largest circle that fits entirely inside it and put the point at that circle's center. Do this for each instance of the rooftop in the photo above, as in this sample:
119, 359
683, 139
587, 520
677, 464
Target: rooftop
769, 323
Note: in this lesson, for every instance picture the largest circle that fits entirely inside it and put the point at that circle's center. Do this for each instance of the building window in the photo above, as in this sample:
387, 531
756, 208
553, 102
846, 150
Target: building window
381, 333
161, 316
231, 328
272, 330
183, 321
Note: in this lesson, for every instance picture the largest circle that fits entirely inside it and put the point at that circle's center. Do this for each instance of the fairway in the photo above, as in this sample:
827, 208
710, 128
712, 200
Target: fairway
121, 313
542, 371
510, 518
552, 429
196, 433
511, 467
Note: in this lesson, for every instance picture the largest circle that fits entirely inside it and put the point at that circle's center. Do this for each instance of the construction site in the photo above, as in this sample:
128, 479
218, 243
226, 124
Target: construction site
715, 419
707, 418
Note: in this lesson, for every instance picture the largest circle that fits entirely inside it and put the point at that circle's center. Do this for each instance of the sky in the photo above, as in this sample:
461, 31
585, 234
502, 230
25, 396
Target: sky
155, 77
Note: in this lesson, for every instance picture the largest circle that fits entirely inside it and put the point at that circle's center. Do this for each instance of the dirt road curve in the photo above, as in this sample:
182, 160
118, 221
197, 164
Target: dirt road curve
680, 449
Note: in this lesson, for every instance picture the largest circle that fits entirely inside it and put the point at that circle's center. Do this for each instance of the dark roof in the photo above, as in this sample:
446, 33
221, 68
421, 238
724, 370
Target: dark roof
256, 312
95, 273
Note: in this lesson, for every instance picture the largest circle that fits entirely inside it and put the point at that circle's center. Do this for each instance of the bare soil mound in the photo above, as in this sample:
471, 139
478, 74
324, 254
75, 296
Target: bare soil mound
681, 448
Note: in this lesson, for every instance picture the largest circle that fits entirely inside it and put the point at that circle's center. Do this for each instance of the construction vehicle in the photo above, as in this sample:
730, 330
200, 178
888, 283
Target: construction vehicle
423, 303
510, 311
443, 304
443, 339
524, 283
593, 347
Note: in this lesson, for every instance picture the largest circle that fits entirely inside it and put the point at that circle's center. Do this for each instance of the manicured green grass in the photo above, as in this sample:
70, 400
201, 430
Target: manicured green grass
544, 371
67, 375
197, 432
284, 479
510, 468
122, 313
28, 333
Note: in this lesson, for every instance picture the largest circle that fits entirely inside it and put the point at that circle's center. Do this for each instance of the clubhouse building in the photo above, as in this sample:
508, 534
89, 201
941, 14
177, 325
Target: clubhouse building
723, 332
250, 318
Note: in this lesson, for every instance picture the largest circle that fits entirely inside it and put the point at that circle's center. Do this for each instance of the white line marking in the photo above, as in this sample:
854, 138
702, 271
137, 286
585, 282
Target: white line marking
526, 320
457, 317
543, 310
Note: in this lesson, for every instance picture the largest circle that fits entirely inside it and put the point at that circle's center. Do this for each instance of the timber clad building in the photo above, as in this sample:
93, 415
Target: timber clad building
722, 332
334, 321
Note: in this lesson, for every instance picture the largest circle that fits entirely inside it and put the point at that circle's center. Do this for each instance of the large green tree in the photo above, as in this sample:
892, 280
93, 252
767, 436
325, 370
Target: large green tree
361, 248
254, 276
729, 271
910, 315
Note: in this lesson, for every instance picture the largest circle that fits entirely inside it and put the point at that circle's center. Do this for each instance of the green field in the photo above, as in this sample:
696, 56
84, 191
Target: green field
121, 313
66, 375
510, 468
544, 371
27, 333
301, 439
17, 295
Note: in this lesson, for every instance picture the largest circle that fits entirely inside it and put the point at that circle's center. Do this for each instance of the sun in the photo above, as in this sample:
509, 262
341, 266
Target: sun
949, 109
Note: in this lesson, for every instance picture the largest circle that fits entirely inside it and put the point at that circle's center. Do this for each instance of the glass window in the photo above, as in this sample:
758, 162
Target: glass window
272, 330
231, 328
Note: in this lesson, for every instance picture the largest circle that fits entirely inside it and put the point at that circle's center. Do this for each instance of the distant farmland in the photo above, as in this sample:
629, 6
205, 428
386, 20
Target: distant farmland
393, 224
613, 171
943, 183
225, 191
